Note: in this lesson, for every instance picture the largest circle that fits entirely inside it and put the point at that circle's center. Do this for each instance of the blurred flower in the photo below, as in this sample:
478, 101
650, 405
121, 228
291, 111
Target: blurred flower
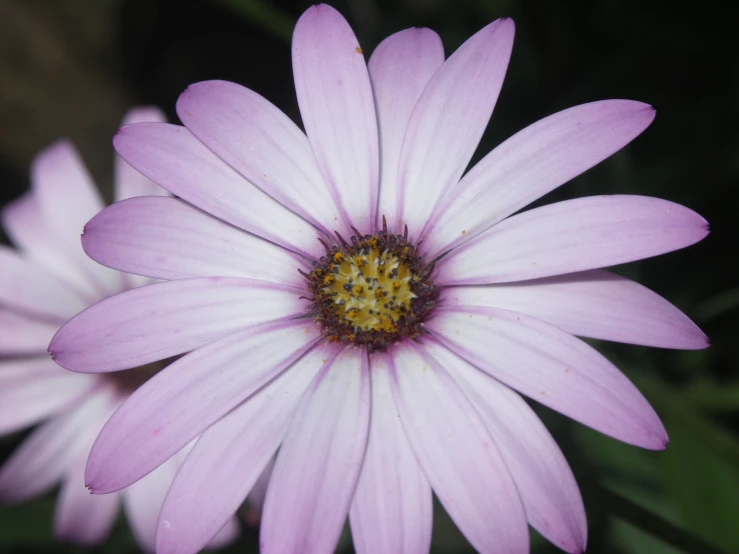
42, 284
382, 372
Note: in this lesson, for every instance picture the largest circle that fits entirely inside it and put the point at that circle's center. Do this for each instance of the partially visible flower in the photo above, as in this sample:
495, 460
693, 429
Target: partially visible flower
388, 368
42, 284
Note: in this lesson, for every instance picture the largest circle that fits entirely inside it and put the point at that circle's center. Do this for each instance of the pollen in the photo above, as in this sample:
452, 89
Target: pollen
371, 291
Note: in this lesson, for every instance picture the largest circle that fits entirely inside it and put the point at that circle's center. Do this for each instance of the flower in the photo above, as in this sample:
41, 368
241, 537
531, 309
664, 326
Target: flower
387, 367
43, 283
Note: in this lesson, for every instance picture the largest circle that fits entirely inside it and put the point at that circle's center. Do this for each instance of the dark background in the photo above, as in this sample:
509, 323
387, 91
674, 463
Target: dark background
73, 67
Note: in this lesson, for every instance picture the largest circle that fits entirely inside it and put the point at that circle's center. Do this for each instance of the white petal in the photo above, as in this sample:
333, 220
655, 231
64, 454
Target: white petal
318, 464
457, 453
392, 508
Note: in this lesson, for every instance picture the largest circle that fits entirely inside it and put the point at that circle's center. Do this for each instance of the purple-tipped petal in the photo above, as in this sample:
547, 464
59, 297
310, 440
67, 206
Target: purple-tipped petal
449, 120
172, 157
595, 304
21, 335
128, 182
30, 289
531, 163
228, 459
25, 224
338, 111
166, 238
399, 68
392, 509
259, 141
46, 455
143, 501
187, 397
548, 489
319, 461
162, 320
68, 199
570, 236
457, 454
552, 367
35, 388
80, 517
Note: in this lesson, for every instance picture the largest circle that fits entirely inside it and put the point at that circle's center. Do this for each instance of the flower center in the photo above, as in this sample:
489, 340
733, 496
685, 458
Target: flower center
373, 290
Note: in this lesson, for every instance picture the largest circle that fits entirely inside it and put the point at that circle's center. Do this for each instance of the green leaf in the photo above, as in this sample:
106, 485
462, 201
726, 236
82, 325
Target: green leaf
704, 487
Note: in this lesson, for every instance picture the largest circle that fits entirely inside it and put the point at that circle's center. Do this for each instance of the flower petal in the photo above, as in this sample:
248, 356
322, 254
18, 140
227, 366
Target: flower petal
68, 199
449, 120
338, 111
553, 367
47, 454
457, 454
36, 388
399, 68
531, 163
24, 221
569, 236
392, 508
81, 517
595, 304
128, 182
228, 459
226, 535
318, 464
259, 141
172, 157
166, 238
187, 397
20, 335
162, 320
28, 288
548, 489
143, 501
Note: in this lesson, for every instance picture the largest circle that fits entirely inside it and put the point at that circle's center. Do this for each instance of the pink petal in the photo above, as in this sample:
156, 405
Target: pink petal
259, 141
318, 464
449, 120
338, 111
226, 535
35, 388
574, 235
257, 494
392, 508
399, 68
166, 238
143, 501
229, 458
457, 454
47, 454
159, 321
595, 304
26, 225
172, 157
81, 517
30, 289
21, 335
548, 489
531, 163
187, 397
128, 182
553, 367
68, 199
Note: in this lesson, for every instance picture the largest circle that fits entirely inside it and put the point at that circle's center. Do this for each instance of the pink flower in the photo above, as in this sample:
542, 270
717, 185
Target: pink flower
388, 368
42, 284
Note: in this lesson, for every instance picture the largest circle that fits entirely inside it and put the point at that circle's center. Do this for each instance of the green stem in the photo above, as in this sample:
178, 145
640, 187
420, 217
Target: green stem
623, 508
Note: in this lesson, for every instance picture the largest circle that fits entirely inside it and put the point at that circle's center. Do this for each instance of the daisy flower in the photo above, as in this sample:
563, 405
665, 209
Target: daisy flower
354, 301
42, 284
